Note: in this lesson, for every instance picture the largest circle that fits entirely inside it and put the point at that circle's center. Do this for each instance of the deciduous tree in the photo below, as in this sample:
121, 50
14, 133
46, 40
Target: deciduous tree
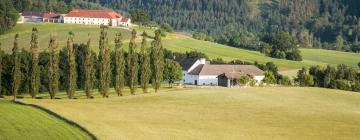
120, 65
71, 71
157, 56
133, 64
16, 75
34, 69
53, 67
104, 60
145, 65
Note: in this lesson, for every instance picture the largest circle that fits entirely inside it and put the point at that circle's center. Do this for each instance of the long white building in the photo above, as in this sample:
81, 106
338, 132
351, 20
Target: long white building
96, 17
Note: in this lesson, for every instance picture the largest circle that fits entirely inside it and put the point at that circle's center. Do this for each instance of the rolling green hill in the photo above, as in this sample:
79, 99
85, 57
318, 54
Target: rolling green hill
176, 42
23, 122
218, 113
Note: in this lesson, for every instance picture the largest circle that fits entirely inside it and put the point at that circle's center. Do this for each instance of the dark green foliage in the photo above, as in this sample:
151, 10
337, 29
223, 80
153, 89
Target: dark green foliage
1, 69
269, 78
89, 72
245, 80
217, 61
157, 57
71, 71
283, 46
285, 80
199, 36
8, 15
140, 16
120, 65
172, 72
53, 68
304, 78
341, 77
104, 60
34, 69
133, 64
145, 70
16, 73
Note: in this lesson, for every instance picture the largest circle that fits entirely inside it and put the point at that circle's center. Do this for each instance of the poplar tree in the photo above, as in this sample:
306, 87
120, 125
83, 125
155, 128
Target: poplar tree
104, 59
72, 66
120, 65
88, 70
16, 67
53, 67
35, 69
1, 68
145, 65
132, 63
157, 56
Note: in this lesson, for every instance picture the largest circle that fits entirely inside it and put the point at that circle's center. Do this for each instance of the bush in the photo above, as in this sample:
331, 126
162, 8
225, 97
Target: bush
285, 80
244, 80
269, 78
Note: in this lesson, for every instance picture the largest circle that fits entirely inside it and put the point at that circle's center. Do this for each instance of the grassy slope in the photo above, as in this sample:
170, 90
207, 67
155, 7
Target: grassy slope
23, 122
249, 113
177, 42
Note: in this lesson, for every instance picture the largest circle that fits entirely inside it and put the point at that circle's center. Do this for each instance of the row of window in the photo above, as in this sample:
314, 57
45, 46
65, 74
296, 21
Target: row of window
92, 19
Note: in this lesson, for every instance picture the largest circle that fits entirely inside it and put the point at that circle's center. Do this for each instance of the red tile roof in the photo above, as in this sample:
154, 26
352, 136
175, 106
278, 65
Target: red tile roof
50, 15
124, 19
93, 14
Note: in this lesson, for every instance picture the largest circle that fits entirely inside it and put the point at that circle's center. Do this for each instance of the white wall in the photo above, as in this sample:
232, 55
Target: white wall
208, 80
259, 79
90, 21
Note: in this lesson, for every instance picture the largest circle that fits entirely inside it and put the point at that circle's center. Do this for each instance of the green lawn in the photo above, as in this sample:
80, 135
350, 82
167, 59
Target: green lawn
218, 113
174, 42
18, 122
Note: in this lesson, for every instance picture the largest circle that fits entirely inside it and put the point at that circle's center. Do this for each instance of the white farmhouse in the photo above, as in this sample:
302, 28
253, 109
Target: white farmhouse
96, 17
202, 73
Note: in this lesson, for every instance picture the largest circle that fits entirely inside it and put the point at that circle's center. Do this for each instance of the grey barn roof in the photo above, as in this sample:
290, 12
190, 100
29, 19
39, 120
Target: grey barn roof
221, 69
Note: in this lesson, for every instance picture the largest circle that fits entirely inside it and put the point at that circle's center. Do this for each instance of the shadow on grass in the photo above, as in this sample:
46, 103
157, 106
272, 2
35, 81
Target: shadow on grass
70, 122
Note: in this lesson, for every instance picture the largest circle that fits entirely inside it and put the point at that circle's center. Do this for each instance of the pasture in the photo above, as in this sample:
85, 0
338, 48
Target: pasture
175, 42
18, 122
218, 113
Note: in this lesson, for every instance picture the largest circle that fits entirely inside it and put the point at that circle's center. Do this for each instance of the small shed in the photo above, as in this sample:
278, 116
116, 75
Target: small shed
228, 79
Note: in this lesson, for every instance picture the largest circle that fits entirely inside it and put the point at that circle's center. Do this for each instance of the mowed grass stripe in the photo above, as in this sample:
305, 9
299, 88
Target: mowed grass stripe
25, 122
219, 113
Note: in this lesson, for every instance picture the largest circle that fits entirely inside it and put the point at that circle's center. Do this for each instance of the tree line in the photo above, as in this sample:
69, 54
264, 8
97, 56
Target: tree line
77, 67
335, 77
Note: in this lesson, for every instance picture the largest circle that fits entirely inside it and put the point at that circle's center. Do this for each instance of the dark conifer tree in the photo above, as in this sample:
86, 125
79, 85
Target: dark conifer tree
120, 65
145, 65
53, 67
34, 69
72, 66
104, 60
133, 64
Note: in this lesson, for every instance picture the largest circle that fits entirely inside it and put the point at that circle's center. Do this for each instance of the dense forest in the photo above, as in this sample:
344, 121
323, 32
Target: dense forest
328, 24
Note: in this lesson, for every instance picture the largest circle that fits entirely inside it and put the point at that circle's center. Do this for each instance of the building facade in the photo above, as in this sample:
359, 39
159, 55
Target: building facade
96, 17
202, 73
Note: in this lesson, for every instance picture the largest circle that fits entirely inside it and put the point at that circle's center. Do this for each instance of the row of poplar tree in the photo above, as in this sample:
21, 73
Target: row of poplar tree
151, 65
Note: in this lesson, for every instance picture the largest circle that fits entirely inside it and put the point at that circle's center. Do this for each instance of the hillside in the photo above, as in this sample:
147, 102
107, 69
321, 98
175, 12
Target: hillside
218, 113
175, 42
25, 122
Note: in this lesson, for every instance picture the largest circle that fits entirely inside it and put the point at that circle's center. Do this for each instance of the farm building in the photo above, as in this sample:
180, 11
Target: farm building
40, 17
202, 73
96, 17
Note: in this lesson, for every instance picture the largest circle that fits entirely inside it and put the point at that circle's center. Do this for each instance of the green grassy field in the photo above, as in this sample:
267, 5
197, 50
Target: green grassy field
218, 113
18, 122
175, 42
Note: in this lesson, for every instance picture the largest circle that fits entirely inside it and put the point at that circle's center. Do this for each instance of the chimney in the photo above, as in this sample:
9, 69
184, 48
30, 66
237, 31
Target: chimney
203, 61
